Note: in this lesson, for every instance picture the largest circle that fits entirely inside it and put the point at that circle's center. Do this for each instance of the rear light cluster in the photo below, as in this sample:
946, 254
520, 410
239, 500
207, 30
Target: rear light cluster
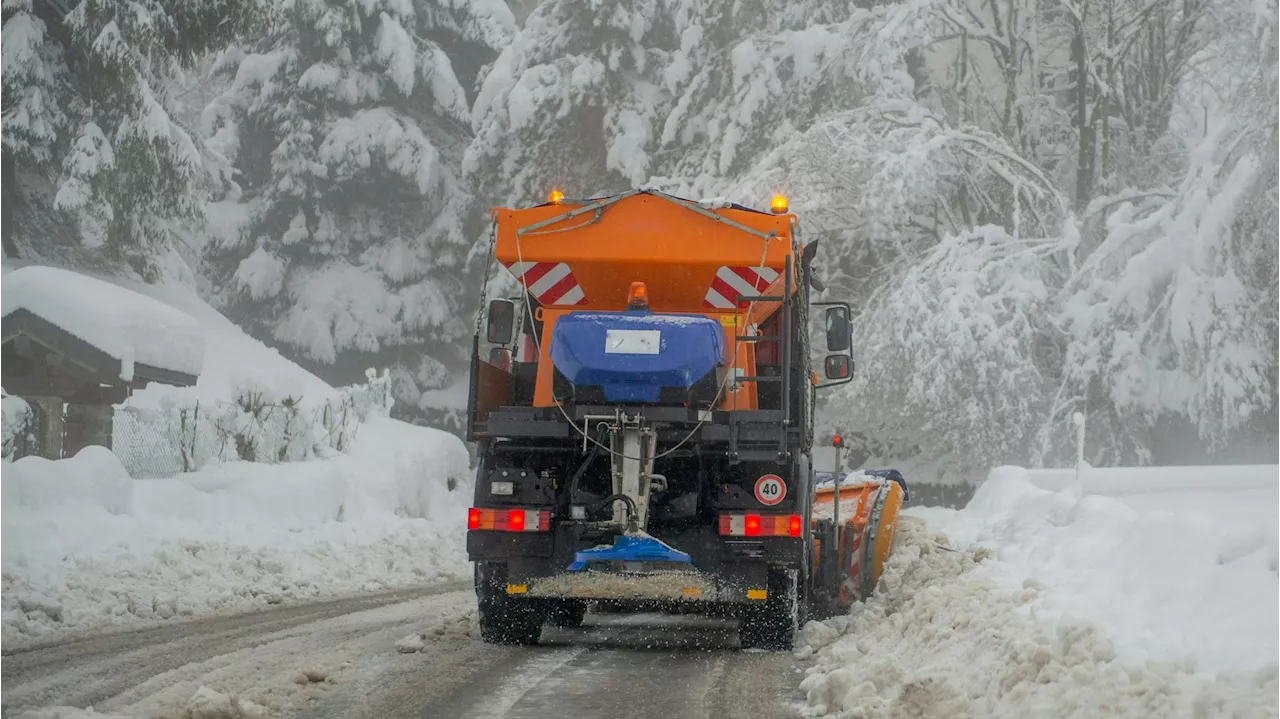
509, 520
761, 525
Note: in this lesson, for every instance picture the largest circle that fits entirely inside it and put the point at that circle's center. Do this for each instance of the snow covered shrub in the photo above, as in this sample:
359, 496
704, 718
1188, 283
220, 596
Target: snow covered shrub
185, 434
17, 425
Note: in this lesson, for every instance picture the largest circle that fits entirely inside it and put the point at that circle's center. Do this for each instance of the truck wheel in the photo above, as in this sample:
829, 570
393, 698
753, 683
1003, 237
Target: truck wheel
504, 619
773, 623
568, 613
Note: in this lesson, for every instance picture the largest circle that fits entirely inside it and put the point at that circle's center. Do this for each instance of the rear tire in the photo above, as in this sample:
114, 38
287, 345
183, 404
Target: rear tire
773, 623
504, 619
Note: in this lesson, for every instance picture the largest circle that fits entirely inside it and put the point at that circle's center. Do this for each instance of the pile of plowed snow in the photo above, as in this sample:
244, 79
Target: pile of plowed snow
939, 641
1169, 571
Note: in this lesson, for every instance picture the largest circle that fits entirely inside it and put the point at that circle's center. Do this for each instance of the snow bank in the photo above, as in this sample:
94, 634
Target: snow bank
1119, 481
91, 480
84, 546
939, 639
128, 326
1178, 575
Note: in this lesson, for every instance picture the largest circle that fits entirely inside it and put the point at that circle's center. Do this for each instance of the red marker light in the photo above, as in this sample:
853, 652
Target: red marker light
751, 525
473, 518
794, 526
515, 520
836, 441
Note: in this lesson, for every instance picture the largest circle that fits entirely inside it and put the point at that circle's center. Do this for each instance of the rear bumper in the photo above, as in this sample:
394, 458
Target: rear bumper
725, 569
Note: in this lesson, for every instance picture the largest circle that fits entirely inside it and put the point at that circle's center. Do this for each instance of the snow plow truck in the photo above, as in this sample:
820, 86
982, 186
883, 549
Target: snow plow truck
642, 409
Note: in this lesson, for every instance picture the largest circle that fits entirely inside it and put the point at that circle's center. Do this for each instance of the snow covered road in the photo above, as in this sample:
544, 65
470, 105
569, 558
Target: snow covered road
339, 659
257, 656
644, 666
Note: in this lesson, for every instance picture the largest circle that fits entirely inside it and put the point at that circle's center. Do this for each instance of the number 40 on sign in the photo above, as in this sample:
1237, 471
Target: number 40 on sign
770, 489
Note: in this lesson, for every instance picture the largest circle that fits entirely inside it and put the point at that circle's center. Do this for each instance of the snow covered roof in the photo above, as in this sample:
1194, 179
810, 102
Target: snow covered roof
141, 338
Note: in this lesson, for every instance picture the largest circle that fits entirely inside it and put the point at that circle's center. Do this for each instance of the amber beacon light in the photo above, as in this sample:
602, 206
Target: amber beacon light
555, 197
779, 204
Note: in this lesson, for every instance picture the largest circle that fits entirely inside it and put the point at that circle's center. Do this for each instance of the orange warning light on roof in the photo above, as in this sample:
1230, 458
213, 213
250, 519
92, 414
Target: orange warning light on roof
637, 296
779, 204
555, 197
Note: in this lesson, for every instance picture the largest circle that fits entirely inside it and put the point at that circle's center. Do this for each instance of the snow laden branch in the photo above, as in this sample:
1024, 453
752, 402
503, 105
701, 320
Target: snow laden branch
957, 353
1167, 314
884, 184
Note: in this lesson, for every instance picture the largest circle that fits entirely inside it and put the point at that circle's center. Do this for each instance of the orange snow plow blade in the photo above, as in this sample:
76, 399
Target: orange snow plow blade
868, 520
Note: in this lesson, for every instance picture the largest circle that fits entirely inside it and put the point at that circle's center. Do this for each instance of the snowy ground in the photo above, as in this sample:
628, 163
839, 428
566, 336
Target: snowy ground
1066, 604
85, 546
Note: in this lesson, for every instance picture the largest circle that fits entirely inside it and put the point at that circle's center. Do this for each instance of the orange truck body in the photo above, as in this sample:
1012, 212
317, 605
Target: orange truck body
688, 261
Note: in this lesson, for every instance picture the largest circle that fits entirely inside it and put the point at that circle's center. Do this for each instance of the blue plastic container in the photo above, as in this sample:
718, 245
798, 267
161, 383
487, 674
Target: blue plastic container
632, 356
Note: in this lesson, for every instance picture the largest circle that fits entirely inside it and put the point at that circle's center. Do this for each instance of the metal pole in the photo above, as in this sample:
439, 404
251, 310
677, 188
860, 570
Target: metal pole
835, 507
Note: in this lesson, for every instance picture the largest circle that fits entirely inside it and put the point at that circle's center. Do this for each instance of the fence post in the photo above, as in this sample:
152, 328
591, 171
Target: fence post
1079, 419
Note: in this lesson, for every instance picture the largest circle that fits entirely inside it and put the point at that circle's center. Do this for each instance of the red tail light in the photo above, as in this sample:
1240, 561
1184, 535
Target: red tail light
761, 525
509, 520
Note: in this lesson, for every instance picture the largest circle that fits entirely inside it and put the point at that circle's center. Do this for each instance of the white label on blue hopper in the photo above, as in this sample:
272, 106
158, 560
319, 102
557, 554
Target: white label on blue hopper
632, 342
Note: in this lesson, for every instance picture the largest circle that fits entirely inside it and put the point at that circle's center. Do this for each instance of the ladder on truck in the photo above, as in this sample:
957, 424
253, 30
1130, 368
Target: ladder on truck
746, 427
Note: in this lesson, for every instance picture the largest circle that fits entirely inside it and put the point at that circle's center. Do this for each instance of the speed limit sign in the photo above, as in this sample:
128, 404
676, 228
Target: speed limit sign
770, 489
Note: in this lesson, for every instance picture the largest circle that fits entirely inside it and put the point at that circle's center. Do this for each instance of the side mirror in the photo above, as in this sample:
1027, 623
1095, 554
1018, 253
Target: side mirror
500, 357
838, 329
838, 367
502, 316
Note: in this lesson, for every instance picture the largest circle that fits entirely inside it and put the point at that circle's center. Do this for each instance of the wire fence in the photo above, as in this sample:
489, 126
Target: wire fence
256, 427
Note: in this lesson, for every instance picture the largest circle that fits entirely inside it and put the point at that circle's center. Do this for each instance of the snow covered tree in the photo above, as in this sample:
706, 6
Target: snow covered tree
1172, 319
34, 86
748, 77
1163, 319
343, 121
957, 354
88, 128
574, 102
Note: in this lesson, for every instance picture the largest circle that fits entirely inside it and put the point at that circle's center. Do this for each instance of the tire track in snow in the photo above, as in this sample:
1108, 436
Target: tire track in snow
110, 668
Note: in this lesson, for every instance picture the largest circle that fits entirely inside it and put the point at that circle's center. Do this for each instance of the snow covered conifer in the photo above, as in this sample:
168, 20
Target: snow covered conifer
35, 76
343, 120
86, 112
573, 102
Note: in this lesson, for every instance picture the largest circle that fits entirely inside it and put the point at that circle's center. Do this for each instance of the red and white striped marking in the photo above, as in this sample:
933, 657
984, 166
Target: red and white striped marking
731, 282
551, 282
